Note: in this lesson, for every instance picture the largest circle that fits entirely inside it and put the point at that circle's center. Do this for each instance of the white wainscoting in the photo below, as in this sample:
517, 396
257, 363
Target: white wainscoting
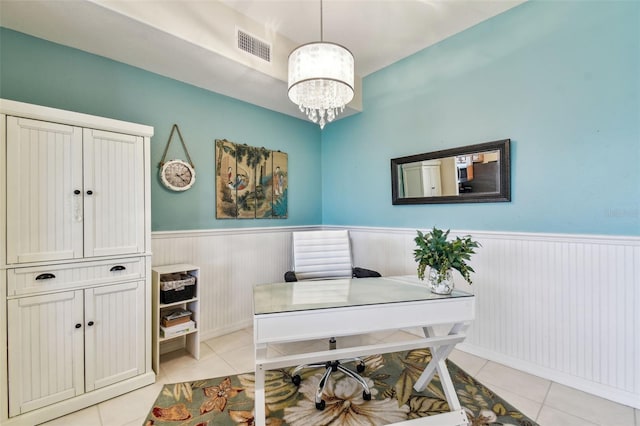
563, 307
231, 262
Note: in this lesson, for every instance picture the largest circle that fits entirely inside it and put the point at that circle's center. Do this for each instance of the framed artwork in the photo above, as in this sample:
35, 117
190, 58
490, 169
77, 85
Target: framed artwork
280, 185
251, 182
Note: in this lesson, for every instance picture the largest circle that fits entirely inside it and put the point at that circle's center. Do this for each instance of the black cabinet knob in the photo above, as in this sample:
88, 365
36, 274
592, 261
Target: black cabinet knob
78, 325
118, 268
89, 192
77, 192
90, 323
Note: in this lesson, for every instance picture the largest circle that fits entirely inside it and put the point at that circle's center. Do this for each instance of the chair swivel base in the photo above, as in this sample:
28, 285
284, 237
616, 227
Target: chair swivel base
330, 367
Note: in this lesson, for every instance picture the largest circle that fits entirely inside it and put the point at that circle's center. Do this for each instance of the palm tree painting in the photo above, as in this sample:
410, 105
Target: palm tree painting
226, 180
280, 185
250, 182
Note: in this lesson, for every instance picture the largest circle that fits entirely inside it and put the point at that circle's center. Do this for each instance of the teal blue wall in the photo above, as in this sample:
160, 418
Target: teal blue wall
39, 72
561, 79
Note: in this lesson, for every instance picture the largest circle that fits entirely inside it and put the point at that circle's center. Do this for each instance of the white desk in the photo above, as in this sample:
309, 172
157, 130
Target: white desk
305, 310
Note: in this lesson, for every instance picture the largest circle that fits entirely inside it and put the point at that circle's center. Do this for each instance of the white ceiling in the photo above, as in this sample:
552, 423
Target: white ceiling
194, 41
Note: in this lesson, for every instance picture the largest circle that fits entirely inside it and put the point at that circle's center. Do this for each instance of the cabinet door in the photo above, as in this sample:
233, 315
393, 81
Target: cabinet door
115, 333
45, 350
412, 180
431, 181
113, 193
44, 169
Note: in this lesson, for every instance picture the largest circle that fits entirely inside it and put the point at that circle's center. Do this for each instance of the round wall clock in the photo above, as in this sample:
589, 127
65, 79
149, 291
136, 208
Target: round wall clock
177, 175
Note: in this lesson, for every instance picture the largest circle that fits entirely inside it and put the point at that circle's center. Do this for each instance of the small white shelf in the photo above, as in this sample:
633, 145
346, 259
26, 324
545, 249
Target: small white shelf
191, 337
181, 302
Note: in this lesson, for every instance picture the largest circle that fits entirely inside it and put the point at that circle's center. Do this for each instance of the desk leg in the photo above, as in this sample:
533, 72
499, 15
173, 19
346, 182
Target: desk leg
437, 354
438, 364
259, 411
447, 386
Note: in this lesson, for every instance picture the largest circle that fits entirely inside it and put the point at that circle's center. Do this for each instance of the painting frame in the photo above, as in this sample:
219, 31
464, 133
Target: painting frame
251, 182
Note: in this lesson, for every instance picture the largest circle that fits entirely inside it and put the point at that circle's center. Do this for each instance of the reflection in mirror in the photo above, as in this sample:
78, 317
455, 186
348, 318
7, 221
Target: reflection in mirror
475, 173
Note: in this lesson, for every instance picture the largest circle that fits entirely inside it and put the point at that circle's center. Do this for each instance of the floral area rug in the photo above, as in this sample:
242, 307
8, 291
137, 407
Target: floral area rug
230, 400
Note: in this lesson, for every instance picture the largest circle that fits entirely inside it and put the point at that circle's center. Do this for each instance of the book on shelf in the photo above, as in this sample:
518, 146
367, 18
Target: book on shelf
178, 329
175, 317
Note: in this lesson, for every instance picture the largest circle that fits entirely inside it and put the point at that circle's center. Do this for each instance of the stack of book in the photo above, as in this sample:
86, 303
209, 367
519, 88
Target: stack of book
177, 322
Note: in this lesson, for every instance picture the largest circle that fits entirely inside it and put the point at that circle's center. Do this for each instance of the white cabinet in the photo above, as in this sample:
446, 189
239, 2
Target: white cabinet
64, 344
190, 338
45, 350
75, 273
71, 192
114, 213
422, 179
44, 169
114, 333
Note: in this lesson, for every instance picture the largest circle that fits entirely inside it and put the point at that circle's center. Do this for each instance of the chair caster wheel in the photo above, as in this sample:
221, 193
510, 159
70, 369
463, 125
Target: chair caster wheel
296, 380
320, 405
360, 368
366, 396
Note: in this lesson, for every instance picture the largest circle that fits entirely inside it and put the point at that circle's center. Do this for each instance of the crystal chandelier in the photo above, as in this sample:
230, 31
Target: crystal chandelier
321, 79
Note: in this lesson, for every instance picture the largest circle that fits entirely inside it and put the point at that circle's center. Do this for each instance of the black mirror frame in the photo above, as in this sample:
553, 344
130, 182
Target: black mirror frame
504, 195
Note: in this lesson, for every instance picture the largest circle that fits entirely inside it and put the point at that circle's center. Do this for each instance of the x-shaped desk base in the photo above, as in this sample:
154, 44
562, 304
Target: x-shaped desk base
441, 347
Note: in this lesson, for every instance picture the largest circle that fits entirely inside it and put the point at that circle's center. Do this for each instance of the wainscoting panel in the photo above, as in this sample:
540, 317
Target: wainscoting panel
563, 307
231, 262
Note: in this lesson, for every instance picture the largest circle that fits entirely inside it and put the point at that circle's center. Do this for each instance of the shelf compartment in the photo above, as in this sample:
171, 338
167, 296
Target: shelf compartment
192, 336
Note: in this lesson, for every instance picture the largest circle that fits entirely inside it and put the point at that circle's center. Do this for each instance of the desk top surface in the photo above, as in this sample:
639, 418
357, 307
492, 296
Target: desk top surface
337, 293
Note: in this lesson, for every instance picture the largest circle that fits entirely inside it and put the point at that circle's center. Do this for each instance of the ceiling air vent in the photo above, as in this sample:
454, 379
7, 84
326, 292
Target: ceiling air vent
254, 46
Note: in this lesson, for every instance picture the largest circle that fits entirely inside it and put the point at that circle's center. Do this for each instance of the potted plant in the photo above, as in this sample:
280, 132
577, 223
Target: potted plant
441, 256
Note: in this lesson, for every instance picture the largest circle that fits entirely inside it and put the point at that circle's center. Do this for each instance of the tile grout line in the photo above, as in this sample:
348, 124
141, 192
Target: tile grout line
224, 359
590, 421
486, 362
544, 401
100, 415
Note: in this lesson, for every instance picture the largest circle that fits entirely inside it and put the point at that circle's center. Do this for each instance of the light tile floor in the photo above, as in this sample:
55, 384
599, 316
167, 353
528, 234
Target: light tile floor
549, 403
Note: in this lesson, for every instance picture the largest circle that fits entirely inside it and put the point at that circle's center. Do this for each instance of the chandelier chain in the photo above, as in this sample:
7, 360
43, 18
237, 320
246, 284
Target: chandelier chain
321, 24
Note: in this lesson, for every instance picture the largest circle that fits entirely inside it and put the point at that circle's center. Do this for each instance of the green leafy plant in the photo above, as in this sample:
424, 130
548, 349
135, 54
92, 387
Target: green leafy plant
434, 250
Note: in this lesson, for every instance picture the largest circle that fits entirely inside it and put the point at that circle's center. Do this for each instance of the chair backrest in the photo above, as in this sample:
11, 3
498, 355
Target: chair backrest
322, 254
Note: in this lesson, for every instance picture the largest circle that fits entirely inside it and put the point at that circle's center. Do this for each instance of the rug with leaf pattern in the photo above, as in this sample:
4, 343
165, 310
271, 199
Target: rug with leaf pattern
230, 400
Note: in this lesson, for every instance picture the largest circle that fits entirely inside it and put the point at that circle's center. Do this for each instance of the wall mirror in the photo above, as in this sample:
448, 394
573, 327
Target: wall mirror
478, 173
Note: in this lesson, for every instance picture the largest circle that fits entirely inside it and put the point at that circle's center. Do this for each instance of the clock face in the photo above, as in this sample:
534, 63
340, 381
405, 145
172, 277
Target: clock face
177, 175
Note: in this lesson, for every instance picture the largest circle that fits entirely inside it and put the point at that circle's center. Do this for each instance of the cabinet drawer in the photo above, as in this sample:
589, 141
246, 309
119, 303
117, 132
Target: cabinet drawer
39, 279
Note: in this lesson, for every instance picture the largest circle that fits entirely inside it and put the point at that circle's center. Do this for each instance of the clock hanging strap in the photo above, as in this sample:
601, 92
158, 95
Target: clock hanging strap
166, 148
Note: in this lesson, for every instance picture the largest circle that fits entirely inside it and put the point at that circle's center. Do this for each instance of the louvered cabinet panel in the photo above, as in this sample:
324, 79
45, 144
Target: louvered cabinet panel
44, 198
113, 193
115, 333
45, 349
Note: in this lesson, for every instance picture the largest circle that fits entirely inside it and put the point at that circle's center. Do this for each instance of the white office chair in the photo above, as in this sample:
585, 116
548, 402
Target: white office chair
326, 255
